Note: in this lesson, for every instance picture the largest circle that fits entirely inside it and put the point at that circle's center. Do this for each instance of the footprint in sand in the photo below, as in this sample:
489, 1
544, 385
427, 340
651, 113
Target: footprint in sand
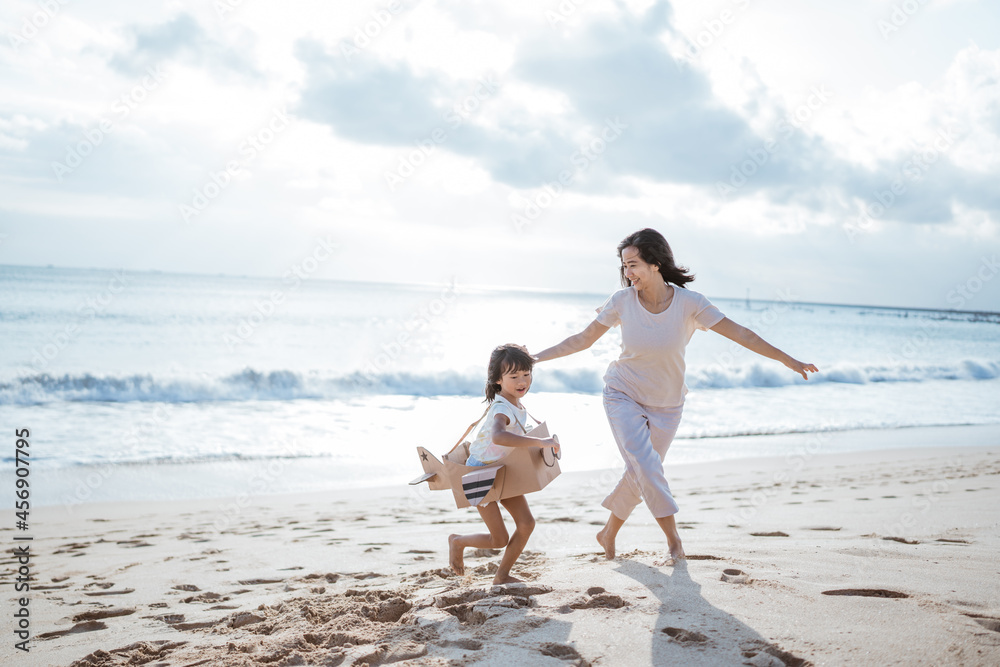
901, 540
600, 601
520, 590
432, 576
734, 576
464, 644
773, 533
461, 597
867, 592
762, 654
71, 547
133, 654
562, 651
86, 626
476, 606
383, 654
205, 597
596, 598
702, 557
169, 619
830, 528
483, 553
940, 539
194, 625
123, 591
986, 621
98, 614
244, 618
132, 544
683, 636
189, 535
255, 582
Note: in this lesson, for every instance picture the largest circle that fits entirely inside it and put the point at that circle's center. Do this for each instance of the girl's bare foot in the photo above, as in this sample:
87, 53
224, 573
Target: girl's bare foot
506, 579
607, 543
456, 555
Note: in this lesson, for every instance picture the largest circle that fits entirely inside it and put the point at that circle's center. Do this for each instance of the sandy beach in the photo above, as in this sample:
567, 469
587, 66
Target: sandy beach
879, 557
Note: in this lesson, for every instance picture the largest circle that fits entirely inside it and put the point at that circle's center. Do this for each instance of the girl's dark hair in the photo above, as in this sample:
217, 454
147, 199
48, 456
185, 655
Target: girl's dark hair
654, 249
506, 358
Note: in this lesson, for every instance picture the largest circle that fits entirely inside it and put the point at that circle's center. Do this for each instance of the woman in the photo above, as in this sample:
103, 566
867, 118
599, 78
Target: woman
644, 388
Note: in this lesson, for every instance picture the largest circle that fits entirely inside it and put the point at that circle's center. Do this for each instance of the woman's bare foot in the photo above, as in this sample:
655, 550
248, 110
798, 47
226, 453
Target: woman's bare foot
676, 553
506, 579
607, 543
669, 527
456, 555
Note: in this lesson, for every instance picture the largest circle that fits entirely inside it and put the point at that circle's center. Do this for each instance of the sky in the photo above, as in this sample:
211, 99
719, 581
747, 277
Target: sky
838, 153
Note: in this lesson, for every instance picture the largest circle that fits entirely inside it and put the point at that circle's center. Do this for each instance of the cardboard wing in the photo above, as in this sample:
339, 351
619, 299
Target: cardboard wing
524, 470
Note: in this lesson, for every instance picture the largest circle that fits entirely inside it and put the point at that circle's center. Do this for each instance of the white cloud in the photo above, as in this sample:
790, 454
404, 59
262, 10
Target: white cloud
353, 119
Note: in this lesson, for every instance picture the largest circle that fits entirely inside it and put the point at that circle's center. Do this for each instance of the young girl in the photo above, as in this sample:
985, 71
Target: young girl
504, 427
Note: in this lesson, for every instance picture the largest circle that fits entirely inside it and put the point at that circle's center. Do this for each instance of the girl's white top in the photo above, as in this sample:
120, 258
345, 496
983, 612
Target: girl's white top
651, 367
483, 447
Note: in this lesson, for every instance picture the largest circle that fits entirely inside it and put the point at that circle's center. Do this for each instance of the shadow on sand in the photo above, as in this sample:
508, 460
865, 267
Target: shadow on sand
690, 630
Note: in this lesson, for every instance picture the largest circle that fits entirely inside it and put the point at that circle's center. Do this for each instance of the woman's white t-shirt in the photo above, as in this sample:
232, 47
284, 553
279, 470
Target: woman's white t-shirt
650, 368
483, 447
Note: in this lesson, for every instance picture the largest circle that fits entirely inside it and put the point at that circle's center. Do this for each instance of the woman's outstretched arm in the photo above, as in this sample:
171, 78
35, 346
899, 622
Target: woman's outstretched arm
575, 343
755, 343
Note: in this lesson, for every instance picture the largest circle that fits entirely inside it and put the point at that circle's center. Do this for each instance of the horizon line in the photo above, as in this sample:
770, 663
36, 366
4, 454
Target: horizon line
492, 288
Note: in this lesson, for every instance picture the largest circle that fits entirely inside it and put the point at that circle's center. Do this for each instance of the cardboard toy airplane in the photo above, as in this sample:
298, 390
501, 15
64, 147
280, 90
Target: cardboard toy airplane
524, 470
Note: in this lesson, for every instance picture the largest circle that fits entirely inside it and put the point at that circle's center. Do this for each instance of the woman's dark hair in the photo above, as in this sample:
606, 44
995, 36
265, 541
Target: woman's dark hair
654, 249
504, 359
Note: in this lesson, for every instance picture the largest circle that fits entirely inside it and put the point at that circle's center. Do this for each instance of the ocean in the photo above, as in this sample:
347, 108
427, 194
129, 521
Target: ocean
147, 385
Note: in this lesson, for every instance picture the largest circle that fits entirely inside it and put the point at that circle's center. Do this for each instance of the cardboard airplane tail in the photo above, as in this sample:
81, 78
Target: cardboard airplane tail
433, 472
523, 470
